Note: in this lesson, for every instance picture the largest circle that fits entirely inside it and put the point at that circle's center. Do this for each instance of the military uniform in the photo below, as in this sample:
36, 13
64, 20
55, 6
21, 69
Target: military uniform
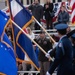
73, 40
64, 54
44, 62
53, 51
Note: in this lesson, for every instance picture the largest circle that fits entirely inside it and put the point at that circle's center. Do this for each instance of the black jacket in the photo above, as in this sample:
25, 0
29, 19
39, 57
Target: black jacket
63, 58
37, 11
46, 11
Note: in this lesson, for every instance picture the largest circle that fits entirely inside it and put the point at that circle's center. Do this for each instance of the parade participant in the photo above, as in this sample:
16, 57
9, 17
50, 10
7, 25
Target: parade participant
46, 45
51, 52
64, 53
73, 44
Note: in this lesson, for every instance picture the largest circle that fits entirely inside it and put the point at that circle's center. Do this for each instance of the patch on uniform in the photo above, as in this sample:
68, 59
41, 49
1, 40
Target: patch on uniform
45, 42
60, 45
39, 41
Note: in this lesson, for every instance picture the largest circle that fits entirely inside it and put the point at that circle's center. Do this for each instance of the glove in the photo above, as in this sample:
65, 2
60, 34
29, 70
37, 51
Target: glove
47, 55
55, 44
49, 51
47, 73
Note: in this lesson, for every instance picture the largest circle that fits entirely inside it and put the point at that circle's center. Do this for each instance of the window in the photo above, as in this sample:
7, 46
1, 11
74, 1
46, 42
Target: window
59, 0
31, 1
27, 2
53, 1
22, 1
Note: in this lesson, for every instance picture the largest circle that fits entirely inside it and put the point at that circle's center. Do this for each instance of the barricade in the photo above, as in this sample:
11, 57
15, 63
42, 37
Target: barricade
29, 72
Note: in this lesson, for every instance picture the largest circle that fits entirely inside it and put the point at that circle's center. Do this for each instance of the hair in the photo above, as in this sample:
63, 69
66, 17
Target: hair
63, 7
62, 32
42, 32
28, 28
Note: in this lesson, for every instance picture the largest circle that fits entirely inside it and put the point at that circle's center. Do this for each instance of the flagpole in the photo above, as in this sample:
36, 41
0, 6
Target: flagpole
30, 38
44, 30
12, 29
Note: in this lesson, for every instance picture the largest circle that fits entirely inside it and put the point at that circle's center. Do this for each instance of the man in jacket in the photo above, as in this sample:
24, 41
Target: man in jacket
37, 12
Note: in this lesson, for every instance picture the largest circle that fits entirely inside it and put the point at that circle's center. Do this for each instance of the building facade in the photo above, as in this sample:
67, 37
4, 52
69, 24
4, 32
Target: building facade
27, 2
3, 3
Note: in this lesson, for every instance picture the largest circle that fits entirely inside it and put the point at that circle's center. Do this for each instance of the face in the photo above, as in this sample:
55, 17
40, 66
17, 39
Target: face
48, 1
10, 26
68, 29
62, 9
29, 31
36, 1
42, 35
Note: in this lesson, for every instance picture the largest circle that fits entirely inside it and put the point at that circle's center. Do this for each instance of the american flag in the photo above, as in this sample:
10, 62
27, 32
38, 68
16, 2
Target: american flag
72, 6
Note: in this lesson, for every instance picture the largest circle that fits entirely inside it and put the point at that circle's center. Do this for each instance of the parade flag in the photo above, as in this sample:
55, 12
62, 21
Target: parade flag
72, 6
7, 62
3, 21
7, 58
23, 18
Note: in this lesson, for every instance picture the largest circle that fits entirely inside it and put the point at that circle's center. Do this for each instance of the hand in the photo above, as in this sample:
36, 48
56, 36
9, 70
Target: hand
49, 51
47, 73
55, 44
47, 55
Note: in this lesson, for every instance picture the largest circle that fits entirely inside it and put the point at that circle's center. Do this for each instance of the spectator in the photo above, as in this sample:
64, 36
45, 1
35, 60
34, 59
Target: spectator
46, 45
8, 31
31, 34
48, 8
37, 12
63, 16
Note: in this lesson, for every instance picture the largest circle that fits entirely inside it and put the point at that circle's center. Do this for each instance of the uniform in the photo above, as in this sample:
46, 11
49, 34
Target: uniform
73, 40
46, 45
64, 54
53, 51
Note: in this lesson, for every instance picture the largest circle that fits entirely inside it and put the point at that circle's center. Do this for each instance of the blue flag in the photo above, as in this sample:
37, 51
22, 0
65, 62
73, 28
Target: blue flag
3, 21
7, 62
7, 42
22, 18
7, 57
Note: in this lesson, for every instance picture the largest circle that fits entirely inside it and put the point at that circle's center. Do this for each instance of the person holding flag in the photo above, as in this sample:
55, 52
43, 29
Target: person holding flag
73, 44
63, 54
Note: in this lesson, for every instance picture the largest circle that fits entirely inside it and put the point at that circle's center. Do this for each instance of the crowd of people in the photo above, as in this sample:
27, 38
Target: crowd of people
63, 53
47, 11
